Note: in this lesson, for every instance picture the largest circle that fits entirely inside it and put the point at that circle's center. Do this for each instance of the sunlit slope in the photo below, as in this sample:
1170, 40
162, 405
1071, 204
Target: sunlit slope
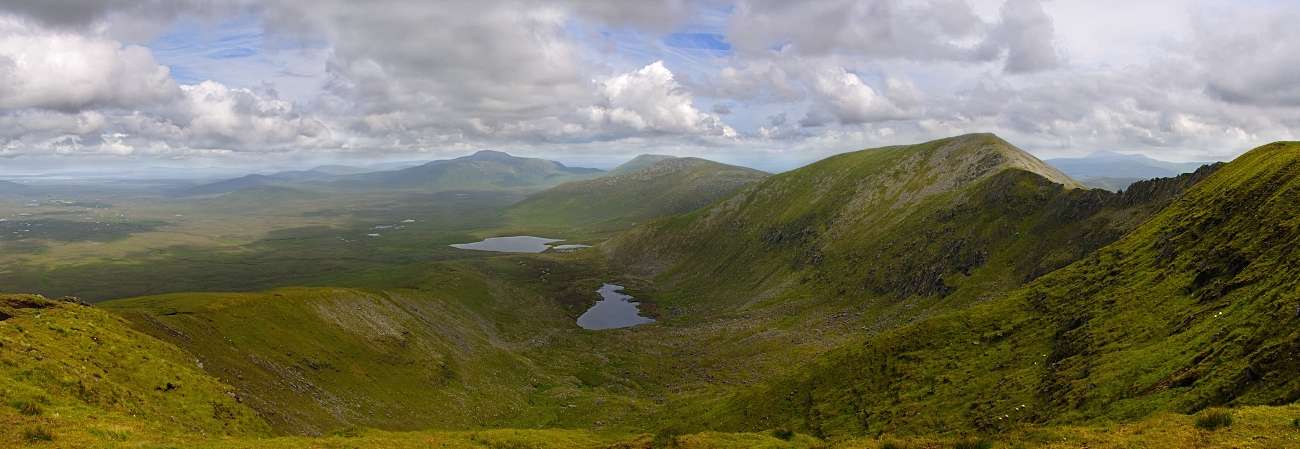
1196, 307
311, 360
459, 348
637, 163
661, 188
958, 216
484, 170
84, 378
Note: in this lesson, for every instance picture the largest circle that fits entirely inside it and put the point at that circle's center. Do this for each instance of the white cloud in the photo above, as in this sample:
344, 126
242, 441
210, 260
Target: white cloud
218, 116
1172, 78
1029, 36
650, 99
60, 70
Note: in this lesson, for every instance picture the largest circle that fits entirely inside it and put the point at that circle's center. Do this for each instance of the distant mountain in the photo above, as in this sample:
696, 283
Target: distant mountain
639, 162
645, 188
291, 179
12, 188
484, 170
340, 170
1115, 171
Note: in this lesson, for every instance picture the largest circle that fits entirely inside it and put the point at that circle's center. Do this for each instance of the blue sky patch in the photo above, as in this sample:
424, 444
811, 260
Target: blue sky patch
698, 41
229, 53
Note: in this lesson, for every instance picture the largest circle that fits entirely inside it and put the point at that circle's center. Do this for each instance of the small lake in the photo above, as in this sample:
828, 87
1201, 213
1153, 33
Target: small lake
614, 310
516, 244
520, 244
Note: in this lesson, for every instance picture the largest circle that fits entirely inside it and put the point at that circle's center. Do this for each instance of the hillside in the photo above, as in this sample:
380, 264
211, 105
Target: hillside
968, 214
484, 170
664, 187
637, 163
85, 379
463, 346
1194, 308
286, 179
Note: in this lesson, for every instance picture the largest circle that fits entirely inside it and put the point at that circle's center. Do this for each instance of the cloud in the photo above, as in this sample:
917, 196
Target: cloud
762, 77
844, 97
650, 99
66, 71
1028, 35
217, 116
1254, 65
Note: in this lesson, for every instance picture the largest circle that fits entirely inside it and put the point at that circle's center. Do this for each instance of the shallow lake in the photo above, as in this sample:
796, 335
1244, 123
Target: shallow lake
516, 244
614, 310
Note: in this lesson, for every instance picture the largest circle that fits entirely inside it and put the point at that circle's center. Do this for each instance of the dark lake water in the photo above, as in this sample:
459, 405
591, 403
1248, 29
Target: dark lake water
614, 310
516, 244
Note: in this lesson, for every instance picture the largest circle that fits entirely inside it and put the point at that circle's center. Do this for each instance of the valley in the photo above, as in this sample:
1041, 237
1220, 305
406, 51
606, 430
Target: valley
931, 295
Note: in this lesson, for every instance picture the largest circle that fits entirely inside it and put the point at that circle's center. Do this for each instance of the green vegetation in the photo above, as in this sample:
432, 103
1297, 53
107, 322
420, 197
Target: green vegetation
37, 434
957, 293
481, 171
1175, 316
972, 443
68, 369
627, 196
1214, 419
638, 163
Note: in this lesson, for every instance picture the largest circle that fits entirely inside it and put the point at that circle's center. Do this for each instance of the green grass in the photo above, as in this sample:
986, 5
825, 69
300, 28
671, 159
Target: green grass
903, 296
37, 434
243, 246
1214, 419
1178, 315
616, 202
68, 369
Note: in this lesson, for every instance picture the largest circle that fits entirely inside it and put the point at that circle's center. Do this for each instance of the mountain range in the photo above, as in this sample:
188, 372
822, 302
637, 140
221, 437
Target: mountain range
952, 293
483, 170
1115, 171
646, 187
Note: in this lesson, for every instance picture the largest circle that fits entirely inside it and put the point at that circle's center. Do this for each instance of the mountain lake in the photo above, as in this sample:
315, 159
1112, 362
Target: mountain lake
614, 310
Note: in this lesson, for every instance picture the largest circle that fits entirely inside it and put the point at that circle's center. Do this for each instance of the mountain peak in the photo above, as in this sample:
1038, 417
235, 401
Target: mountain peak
490, 155
972, 156
640, 162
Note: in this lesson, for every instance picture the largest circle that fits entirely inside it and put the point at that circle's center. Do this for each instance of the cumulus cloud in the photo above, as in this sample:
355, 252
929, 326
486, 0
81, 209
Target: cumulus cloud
67, 71
844, 97
217, 116
581, 76
650, 99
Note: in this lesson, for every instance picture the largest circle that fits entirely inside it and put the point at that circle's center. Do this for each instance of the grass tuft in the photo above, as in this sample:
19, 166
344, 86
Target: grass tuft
972, 443
29, 408
783, 434
1214, 419
37, 434
891, 444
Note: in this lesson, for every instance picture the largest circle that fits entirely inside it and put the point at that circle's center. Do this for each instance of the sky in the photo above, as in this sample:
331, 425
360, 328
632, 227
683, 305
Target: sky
771, 84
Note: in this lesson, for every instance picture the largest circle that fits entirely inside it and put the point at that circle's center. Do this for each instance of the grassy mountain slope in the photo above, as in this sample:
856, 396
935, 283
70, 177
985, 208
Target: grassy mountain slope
665, 187
456, 348
639, 162
85, 378
1195, 308
927, 219
484, 170
314, 360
